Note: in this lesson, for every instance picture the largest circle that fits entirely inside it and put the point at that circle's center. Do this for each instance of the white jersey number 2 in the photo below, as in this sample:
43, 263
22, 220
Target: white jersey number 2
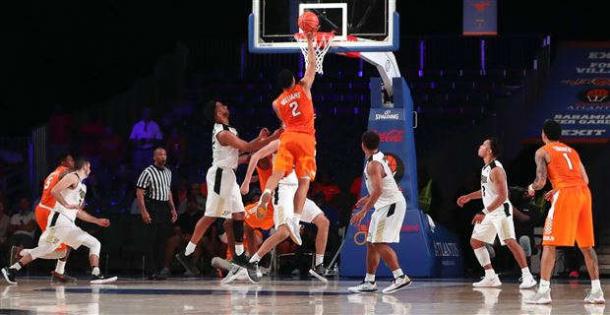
295, 109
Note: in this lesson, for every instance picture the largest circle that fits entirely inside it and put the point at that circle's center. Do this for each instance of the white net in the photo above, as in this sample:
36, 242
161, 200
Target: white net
321, 44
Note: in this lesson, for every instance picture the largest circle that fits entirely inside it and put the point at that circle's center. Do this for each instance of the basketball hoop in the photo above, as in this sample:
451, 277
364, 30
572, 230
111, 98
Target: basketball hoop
321, 44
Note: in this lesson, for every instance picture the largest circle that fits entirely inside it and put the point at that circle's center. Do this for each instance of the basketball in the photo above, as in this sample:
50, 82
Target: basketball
309, 22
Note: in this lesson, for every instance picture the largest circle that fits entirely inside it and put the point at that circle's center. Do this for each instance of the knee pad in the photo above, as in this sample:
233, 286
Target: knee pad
93, 244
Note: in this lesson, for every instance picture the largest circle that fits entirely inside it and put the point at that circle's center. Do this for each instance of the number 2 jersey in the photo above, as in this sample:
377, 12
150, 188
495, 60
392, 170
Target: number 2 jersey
296, 110
564, 167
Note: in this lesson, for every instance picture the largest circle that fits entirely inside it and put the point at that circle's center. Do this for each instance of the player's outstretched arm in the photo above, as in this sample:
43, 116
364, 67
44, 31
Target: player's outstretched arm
310, 71
471, 196
83, 215
263, 152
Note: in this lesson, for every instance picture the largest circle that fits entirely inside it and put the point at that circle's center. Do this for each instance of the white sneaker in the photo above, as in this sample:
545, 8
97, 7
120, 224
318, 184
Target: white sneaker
540, 298
528, 283
295, 230
488, 282
365, 286
595, 297
398, 284
233, 274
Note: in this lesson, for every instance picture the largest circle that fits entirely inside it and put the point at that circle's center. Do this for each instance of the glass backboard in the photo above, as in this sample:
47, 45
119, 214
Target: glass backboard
359, 25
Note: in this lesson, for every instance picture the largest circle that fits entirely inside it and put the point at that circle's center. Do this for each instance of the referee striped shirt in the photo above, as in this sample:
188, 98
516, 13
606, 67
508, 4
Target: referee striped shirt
156, 182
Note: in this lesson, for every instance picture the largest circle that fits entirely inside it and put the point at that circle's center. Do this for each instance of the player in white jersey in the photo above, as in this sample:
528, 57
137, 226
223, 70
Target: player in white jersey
386, 222
224, 199
283, 207
496, 218
70, 194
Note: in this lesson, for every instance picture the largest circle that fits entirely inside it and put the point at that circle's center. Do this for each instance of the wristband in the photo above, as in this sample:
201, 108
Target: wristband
485, 212
531, 187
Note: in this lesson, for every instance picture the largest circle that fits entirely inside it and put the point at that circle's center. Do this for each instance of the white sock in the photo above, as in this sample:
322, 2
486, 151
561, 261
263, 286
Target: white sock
95, 271
544, 286
255, 258
490, 273
397, 273
239, 249
319, 259
190, 248
60, 267
370, 277
595, 285
16, 266
525, 272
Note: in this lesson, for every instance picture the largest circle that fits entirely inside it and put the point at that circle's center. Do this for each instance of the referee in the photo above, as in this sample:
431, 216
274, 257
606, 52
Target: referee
157, 210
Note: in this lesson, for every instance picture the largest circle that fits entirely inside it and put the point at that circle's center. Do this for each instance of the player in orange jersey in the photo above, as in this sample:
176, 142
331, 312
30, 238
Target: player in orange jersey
47, 203
283, 208
297, 148
570, 218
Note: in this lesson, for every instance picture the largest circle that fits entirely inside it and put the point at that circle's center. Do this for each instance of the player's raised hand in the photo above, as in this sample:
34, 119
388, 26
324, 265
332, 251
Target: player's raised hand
103, 222
462, 201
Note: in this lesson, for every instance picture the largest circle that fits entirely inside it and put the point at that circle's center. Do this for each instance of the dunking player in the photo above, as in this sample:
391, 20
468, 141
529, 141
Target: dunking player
495, 218
283, 207
70, 194
44, 208
570, 218
390, 207
298, 142
224, 199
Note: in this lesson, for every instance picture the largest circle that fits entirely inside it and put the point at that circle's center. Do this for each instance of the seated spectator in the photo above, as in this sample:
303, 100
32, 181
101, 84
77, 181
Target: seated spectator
145, 135
22, 225
198, 197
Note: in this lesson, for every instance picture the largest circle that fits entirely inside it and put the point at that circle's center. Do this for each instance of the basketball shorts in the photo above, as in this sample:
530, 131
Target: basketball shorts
386, 223
499, 222
224, 197
60, 230
297, 151
570, 218
283, 205
42, 219
253, 221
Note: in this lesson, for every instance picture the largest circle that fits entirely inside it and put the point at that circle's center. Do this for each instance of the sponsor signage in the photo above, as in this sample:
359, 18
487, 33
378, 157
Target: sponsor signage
480, 17
577, 94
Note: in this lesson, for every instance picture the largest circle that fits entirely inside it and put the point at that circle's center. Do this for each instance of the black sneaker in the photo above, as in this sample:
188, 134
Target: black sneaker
61, 278
100, 279
254, 272
241, 260
319, 272
9, 275
186, 263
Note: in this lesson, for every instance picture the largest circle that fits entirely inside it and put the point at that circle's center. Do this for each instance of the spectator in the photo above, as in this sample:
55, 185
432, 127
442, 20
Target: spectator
145, 135
22, 225
176, 147
91, 133
60, 131
111, 146
197, 196
526, 216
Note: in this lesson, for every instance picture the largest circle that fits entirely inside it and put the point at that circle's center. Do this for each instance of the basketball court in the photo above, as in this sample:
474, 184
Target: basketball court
284, 297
